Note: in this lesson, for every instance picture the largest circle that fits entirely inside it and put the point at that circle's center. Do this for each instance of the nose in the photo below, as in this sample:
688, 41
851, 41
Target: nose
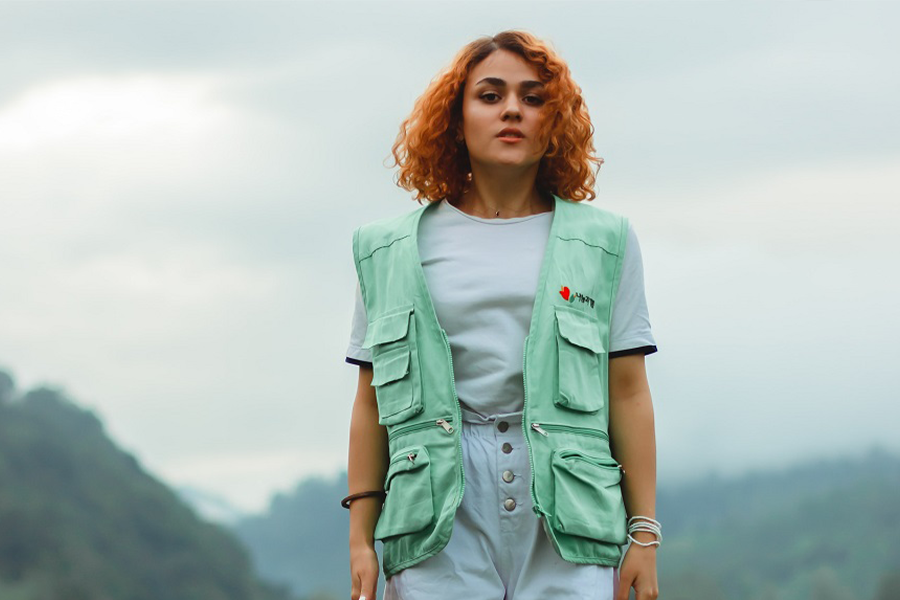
511, 108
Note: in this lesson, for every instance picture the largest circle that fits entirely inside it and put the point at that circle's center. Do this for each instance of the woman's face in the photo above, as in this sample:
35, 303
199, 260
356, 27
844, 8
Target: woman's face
503, 91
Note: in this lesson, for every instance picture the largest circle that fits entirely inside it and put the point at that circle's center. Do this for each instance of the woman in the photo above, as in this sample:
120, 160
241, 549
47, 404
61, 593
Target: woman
500, 145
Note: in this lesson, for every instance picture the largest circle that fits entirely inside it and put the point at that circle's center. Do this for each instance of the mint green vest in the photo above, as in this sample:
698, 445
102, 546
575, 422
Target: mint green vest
575, 481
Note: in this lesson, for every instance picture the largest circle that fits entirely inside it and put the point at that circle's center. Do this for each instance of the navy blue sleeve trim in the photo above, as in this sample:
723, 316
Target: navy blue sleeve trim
640, 350
356, 361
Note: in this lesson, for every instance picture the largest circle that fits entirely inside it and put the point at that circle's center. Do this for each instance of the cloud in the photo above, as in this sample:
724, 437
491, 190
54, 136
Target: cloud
255, 470
105, 111
179, 184
802, 208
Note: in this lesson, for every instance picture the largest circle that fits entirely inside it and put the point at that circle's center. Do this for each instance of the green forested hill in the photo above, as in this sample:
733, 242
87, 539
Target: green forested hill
81, 520
827, 530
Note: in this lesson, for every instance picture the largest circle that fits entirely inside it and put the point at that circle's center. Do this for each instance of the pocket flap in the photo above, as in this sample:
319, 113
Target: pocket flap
391, 365
585, 466
407, 459
388, 328
580, 329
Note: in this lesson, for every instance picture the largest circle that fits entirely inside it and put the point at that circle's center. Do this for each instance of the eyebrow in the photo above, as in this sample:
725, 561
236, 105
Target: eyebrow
526, 85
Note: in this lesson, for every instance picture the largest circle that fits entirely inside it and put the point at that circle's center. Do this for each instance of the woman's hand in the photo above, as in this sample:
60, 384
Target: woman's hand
638, 571
363, 572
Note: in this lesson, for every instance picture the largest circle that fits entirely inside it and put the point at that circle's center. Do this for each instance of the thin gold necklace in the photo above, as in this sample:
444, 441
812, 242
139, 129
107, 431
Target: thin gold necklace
497, 214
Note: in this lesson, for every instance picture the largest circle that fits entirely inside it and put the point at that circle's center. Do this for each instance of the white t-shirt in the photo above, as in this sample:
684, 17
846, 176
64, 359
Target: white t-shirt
482, 275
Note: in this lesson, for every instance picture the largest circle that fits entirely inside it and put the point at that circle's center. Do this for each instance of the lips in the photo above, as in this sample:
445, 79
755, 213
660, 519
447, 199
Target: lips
510, 132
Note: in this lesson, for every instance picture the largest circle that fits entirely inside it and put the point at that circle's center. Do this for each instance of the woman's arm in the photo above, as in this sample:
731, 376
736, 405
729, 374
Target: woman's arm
366, 469
633, 444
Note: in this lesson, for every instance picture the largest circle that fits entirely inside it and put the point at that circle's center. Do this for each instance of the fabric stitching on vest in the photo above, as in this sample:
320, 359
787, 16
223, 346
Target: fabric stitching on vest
586, 243
388, 245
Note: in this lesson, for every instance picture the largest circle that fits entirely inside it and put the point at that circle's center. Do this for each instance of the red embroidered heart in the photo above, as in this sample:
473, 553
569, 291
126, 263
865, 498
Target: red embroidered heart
564, 292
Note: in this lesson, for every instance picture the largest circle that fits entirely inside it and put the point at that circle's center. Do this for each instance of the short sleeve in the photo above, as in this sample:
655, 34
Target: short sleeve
355, 354
630, 327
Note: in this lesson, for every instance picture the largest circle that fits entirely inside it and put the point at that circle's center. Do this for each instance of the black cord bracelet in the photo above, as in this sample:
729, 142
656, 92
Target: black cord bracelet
346, 501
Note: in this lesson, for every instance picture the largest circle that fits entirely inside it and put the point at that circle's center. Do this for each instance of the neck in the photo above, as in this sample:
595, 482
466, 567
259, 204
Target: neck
505, 199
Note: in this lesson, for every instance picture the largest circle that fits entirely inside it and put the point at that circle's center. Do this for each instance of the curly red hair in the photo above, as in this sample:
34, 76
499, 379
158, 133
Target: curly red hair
436, 167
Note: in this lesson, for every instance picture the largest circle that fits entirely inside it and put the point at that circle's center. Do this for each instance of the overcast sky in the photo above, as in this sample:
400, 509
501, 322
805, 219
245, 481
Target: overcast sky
179, 184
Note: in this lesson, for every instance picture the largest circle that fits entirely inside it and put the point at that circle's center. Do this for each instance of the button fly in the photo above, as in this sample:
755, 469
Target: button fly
508, 476
509, 504
502, 426
507, 447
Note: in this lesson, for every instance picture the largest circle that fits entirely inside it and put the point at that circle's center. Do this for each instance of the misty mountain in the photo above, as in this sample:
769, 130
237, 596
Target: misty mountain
81, 520
210, 506
302, 540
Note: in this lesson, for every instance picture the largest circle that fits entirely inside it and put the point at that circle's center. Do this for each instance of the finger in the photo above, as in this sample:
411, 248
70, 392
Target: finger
369, 582
647, 593
625, 581
354, 587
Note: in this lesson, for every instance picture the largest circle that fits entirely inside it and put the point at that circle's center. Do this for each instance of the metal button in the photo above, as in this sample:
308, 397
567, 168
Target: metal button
508, 476
502, 426
509, 504
507, 447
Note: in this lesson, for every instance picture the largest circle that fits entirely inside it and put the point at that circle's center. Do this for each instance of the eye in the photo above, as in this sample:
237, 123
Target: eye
536, 100
485, 95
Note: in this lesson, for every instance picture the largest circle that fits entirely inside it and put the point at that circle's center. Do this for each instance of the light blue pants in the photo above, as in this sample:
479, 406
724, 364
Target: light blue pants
498, 549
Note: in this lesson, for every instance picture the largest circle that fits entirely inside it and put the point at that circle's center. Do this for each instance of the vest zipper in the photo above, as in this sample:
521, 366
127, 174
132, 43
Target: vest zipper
445, 423
540, 294
542, 428
459, 456
534, 501
410, 456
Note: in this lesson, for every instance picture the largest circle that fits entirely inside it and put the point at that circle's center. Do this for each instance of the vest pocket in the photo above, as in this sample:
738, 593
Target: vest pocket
394, 366
582, 361
409, 504
587, 496
393, 386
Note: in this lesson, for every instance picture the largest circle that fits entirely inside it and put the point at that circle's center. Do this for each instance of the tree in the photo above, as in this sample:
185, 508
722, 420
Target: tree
889, 587
7, 387
827, 586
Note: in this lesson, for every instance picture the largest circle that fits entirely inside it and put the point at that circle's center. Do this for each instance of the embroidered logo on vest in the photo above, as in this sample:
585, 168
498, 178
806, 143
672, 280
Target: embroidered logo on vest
569, 296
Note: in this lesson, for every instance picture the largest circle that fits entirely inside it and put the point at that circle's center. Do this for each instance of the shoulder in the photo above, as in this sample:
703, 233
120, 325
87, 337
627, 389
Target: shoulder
371, 236
593, 225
